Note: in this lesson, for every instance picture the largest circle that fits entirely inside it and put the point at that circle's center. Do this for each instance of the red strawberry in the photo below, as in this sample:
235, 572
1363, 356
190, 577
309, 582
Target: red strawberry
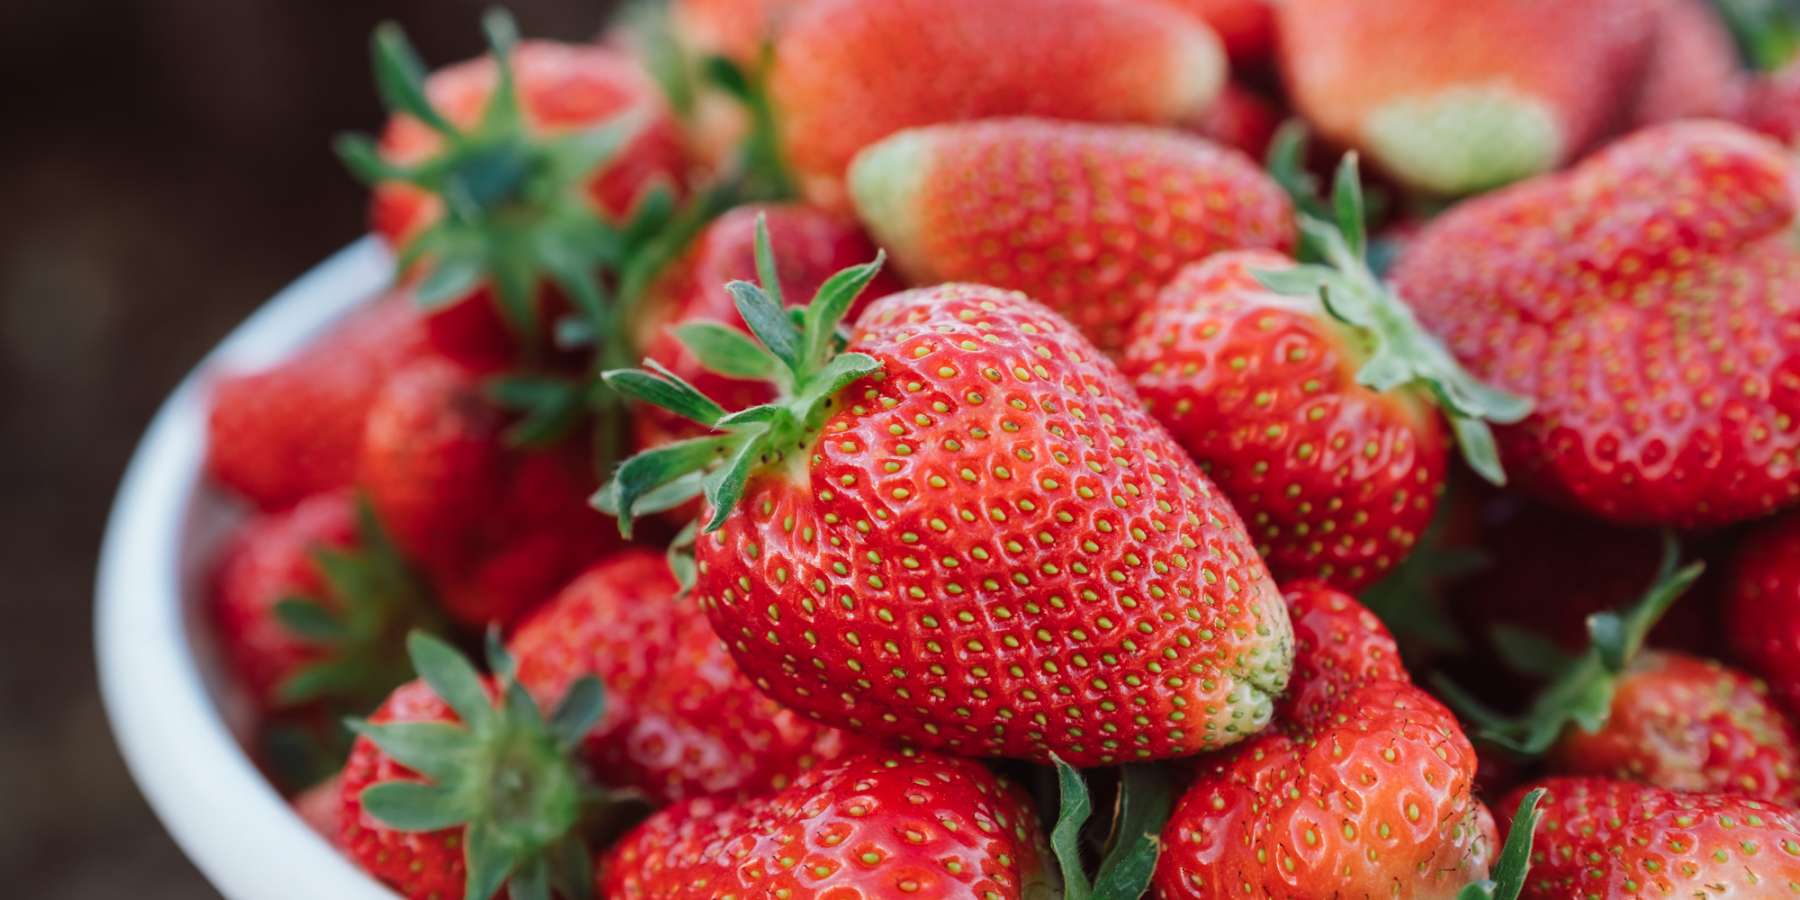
963, 532
1089, 219
1690, 724
1649, 302
1613, 840
851, 72
810, 246
681, 721
1247, 27
292, 430
319, 807
1762, 606
1693, 72
876, 825
496, 527
580, 135
1457, 97
1772, 105
1241, 119
1364, 788
459, 785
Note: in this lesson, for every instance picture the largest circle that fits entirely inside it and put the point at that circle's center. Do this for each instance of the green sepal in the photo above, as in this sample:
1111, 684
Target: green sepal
1767, 32
662, 388
1065, 835
681, 558
767, 320
1286, 164
550, 407
655, 468
1511, 870
1146, 797
727, 351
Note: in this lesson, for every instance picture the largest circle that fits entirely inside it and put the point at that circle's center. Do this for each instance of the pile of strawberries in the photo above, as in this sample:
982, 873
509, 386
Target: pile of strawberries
888, 448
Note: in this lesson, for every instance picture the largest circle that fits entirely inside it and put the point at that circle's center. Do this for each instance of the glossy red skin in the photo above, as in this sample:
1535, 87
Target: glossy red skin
270, 559
681, 721
1090, 220
810, 245
1693, 73
851, 72
1344, 59
496, 529
1772, 105
1762, 606
872, 827
417, 865
290, 431
1297, 811
1648, 301
1336, 481
1614, 840
562, 87
1241, 119
1003, 613
1246, 26
1690, 724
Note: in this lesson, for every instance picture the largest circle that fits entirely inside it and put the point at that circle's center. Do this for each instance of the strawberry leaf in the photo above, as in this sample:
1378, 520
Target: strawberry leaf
727, 351
1514, 865
1065, 836
1146, 797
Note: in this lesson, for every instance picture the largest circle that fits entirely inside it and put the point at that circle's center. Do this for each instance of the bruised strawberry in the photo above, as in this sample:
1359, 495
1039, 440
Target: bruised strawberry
810, 246
1458, 97
1091, 220
962, 532
851, 72
1693, 72
681, 721
1614, 840
1247, 27
291, 431
1762, 606
1648, 301
496, 527
1364, 787
875, 825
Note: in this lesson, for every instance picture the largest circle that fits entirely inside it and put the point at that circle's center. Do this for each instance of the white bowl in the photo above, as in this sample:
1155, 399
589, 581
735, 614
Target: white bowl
171, 709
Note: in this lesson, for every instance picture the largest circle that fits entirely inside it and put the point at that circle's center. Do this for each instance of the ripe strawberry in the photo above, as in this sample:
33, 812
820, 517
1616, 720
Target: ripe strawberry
1613, 840
1762, 606
1364, 787
1247, 27
1647, 301
1458, 97
459, 785
810, 246
495, 527
1091, 220
1693, 72
851, 72
497, 179
1772, 105
288, 432
319, 807
963, 532
875, 825
681, 720
1241, 119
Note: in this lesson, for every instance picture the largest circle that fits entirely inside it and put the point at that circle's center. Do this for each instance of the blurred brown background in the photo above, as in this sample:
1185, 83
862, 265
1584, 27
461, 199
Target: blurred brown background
165, 167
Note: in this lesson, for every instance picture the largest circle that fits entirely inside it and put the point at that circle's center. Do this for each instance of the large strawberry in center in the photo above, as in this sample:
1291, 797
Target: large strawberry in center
962, 531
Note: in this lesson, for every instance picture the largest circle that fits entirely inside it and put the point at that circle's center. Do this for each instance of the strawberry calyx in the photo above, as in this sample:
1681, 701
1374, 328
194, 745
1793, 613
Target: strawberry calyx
1399, 353
1767, 32
372, 600
505, 774
1146, 798
799, 352
1580, 691
1508, 876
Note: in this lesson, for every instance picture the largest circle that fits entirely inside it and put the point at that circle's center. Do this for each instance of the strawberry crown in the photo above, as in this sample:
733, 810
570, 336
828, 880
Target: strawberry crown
1401, 353
372, 599
1580, 691
1507, 880
504, 774
798, 351
1767, 32
1146, 797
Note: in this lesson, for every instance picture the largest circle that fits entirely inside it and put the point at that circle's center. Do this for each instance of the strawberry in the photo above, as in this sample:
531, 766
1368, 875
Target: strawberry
873, 825
500, 182
1762, 606
1693, 72
1364, 788
1089, 219
319, 806
310, 604
736, 29
681, 720
810, 246
1457, 97
1313, 400
851, 72
1647, 301
459, 785
495, 527
962, 532
1242, 119
1772, 105
1247, 27
1613, 840
291, 431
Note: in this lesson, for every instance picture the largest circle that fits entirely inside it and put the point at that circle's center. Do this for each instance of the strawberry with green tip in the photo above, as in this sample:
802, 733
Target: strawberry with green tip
1614, 840
458, 785
878, 825
1648, 302
961, 531
1090, 220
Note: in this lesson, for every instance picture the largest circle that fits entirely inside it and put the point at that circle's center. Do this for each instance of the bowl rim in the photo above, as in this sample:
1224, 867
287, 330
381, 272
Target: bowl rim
219, 808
